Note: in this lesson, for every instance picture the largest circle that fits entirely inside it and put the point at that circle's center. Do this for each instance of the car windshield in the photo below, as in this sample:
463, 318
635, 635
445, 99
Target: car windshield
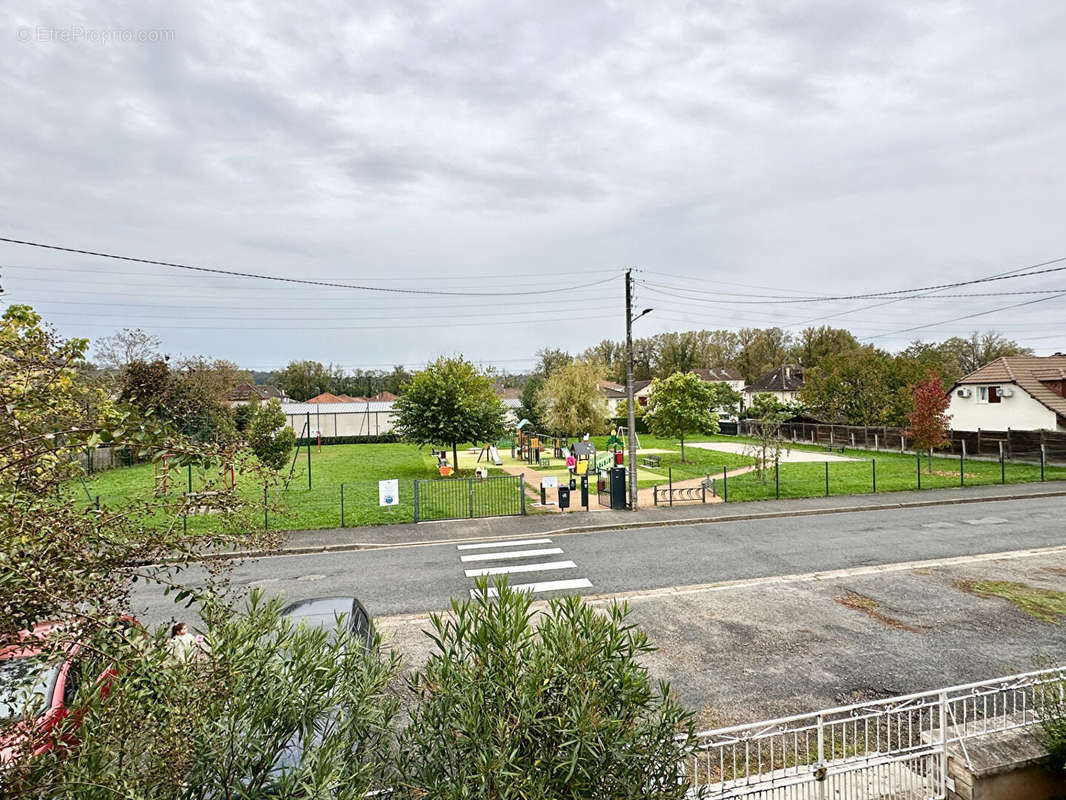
26, 685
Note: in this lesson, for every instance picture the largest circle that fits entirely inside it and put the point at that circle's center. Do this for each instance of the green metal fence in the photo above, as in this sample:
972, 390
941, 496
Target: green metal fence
469, 498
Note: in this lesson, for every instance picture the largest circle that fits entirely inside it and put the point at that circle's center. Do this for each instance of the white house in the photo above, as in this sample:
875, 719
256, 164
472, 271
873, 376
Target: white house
1023, 393
784, 383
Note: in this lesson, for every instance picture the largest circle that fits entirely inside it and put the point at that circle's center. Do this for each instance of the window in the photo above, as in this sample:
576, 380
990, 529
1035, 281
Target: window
988, 394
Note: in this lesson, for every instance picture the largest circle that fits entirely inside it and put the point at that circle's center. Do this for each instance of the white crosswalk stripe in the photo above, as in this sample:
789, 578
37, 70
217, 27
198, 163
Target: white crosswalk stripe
512, 568
547, 551
501, 553
511, 543
542, 586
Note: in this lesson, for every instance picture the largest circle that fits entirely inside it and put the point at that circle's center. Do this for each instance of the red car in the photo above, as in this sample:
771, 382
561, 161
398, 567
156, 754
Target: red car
49, 685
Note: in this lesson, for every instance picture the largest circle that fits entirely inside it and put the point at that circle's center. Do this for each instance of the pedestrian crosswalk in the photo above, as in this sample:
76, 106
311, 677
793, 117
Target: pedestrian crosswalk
530, 562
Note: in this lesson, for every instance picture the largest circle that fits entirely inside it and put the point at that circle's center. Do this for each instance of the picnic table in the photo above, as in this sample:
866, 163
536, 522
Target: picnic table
651, 461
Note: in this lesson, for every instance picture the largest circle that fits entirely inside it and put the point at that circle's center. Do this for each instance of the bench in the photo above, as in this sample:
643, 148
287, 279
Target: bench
651, 461
544, 462
831, 448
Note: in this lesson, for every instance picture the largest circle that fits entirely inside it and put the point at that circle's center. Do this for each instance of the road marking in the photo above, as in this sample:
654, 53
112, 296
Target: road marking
514, 543
939, 525
985, 521
473, 573
547, 551
541, 586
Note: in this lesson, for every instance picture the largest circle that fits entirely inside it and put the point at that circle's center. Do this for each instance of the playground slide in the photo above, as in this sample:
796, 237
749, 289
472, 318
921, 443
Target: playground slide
494, 454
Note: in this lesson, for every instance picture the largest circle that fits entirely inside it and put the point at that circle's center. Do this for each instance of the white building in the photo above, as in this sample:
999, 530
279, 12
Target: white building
1022, 393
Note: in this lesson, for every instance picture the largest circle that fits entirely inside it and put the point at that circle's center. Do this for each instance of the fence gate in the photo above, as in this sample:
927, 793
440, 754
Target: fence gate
469, 498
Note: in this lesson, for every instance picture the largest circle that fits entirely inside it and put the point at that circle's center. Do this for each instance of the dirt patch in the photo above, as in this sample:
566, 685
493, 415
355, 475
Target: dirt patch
1047, 605
871, 608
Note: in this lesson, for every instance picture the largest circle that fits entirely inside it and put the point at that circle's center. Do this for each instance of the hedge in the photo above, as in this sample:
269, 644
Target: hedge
384, 438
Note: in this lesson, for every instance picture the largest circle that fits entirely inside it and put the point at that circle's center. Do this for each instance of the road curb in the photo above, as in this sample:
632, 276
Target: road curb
623, 526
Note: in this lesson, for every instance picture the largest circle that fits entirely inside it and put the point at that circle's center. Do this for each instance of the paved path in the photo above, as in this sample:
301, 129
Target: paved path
788, 456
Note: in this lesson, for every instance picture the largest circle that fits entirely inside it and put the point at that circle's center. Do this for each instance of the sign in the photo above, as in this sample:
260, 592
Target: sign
549, 482
389, 492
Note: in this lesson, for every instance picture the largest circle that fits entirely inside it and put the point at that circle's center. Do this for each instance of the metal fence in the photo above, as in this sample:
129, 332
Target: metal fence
896, 747
469, 498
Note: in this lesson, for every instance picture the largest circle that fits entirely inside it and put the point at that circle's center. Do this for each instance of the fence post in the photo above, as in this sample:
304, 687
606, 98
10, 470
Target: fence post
962, 469
342, 505
266, 519
185, 519
655, 494
821, 757
725, 484
873, 467
1002, 465
470, 485
703, 494
308, 450
414, 494
918, 457
1043, 459
827, 479
943, 743
877, 443
670, 482
777, 479
522, 491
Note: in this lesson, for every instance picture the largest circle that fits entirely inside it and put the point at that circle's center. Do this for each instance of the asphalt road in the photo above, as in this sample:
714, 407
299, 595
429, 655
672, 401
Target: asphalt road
425, 578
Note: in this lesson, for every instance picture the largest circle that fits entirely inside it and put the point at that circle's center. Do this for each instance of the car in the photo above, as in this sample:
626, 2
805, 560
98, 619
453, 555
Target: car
36, 694
325, 612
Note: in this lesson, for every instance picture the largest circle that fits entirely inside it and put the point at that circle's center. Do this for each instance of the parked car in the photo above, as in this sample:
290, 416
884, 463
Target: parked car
36, 694
324, 612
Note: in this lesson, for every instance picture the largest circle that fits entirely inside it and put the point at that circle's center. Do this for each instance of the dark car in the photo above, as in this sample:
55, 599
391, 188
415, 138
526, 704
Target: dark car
325, 612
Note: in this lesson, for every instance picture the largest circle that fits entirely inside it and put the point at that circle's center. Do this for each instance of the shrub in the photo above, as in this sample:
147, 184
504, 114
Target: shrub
507, 709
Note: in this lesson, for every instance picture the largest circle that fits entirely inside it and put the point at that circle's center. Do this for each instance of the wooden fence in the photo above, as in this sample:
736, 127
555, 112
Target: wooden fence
1017, 445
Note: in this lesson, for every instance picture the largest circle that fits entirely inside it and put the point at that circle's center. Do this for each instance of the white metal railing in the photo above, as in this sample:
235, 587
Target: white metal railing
895, 747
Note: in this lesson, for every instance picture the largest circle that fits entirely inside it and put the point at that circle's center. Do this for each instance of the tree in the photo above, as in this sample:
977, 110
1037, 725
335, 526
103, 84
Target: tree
761, 350
531, 408
680, 352
550, 359
980, 349
864, 387
763, 405
814, 345
558, 709
573, 402
726, 399
929, 419
125, 347
395, 380
303, 380
680, 404
270, 436
450, 402
769, 441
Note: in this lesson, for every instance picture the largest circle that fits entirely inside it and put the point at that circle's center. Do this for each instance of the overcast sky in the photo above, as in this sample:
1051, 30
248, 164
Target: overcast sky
813, 148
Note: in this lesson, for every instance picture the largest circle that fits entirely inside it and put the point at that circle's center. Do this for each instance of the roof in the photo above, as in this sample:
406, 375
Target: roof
718, 374
327, 397
614, 390
244, 391
1026, 372
512, 402
786, 378
383, 397
508, 392
638, 385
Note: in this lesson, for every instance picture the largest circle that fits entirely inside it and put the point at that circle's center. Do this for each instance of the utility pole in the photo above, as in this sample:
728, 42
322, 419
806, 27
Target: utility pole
631, 421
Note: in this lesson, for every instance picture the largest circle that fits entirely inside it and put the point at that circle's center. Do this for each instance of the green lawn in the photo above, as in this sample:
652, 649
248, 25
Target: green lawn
357, 467
360, 467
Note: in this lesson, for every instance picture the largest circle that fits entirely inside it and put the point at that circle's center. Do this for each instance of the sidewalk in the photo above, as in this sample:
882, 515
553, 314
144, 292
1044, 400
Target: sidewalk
575, 521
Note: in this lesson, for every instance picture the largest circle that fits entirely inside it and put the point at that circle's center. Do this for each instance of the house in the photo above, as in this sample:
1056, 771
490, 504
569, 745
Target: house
328, 397
616, 397
641, 389
242, 394
784, 383
1023, 393
727, 375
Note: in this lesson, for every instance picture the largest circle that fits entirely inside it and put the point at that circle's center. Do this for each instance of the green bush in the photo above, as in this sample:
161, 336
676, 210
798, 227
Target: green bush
557, 709
1051, 707
383, 438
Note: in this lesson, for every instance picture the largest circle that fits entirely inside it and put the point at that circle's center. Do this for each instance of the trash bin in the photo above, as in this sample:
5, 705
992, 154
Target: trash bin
618, 488
564, 497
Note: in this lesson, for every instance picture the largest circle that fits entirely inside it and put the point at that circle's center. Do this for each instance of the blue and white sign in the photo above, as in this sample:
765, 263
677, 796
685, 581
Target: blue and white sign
389, 492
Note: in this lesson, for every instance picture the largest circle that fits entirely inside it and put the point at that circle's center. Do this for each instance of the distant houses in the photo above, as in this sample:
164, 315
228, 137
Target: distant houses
243, 393
783, 383
1022, 393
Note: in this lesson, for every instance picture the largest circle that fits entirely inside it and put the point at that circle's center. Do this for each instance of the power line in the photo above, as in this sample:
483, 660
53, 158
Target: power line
304, 281
967, 316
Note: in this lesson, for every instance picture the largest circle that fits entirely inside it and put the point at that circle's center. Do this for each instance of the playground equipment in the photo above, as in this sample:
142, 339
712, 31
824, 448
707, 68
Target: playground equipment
163, 466
490, 453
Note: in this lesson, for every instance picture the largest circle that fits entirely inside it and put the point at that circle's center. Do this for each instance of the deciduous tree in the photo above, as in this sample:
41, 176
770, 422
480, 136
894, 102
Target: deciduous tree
125, 347
929, 419
573, 402
270, 436
447, 403
680, 404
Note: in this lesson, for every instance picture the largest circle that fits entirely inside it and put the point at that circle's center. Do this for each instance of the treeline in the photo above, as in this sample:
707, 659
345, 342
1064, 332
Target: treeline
755, 351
